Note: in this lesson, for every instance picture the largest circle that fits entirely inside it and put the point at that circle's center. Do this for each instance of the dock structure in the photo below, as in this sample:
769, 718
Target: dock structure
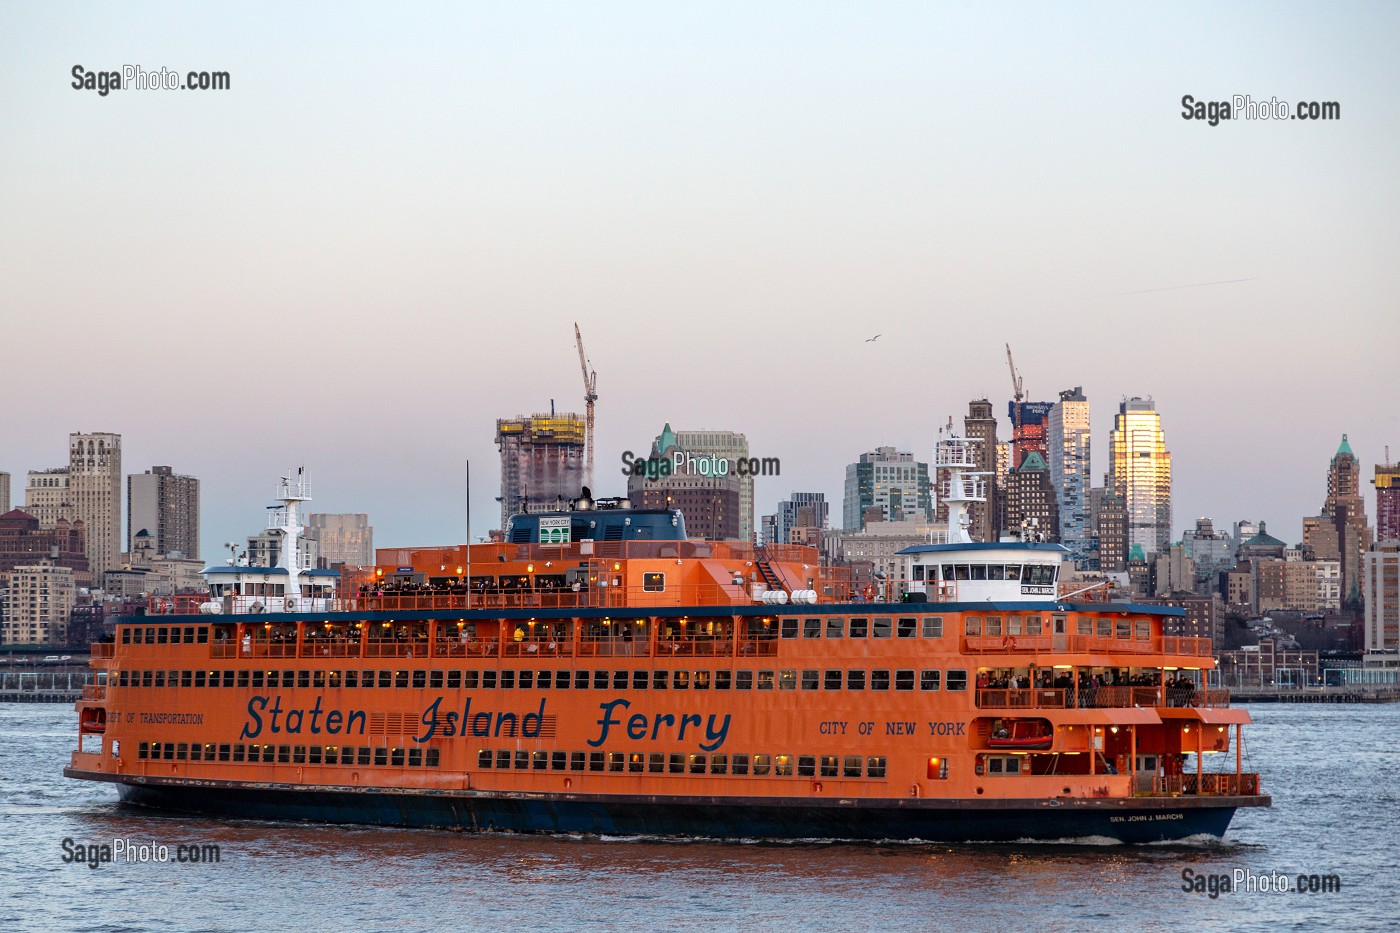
1356, 693
43, 686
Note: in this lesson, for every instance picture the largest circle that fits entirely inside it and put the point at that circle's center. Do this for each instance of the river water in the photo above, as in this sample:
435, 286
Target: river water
1333, 771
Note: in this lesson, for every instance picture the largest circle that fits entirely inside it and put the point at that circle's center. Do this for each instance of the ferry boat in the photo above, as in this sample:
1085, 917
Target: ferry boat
598, 672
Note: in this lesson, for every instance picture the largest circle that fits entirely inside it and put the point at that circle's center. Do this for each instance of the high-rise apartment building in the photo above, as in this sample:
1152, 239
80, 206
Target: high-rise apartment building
4, 492
791, 515
980, 424
343, 539
165, 505
40, 602
1028, 424
890, 480
1387, 483
1211, 551
1381, 591
95, 484
1031, 509
1113, 532
1140, 470
541, 462
47, 496
733, 447
1067, 444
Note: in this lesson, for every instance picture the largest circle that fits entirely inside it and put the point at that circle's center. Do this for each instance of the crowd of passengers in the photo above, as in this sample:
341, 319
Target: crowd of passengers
1064, 680
480, 585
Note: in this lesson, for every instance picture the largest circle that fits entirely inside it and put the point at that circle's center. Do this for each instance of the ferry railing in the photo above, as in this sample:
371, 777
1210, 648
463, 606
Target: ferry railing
1099, 697
95, 692
1085, 644
1033, 698
103, 649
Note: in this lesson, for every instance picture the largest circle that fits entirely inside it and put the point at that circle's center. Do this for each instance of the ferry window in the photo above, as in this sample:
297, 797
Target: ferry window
304, 678
918, 572
722, 679
960, 572
186, 678
347, 755
527, 680
697, 764
993, 626
972, 625
543, 679
806, 765
640, 679
811, 680
676, 764
1013, 571
470, 679
855, 680
595, 761
636, 763
162, 634
124, 679
619, 680
561, 680
882, 627
396, 757
702, 680
313, 755
150, 636
238, 751
979, 572
580, 680
284, 754
719, 764
488, 680
160, 678
146, 678
575, 761
832, 680
904, 680
169, 753
658, 679
385, 678
318, 679
765, 680
875, 767
1143, 629
929, 680
600, 680
454, 679
257, 678
202, 635
434, 679
1013, 625
835, 626
811, 628
957, 680
762, 764
126, 640
522, 760
782, 765
503, 758
1084, 625
830, 766
743, 680
243, 678
196, 752
1124, 629
680, 680
859, 627
906, 628
299, 755
267, 754
996, 572
656, 763
879, 680
787, 680
539, 761
654, 582
1105, 628
850, 766
431, 758
739, 765
789, 626
1034, 625
228, 678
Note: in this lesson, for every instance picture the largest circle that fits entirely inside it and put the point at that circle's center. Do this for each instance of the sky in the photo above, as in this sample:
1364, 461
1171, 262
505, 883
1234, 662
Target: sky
377, 240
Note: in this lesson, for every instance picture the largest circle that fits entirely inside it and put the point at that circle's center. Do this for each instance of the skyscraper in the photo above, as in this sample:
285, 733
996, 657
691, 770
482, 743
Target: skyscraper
705, 486
890, 480
95, 485
1387, 483
1030, 500
1028, 423
731, 446
1343, 516
343, 539
980, 424
1067, 440
541, 462
165, 505
790, 513
4, 492
1140, 469
1381, 588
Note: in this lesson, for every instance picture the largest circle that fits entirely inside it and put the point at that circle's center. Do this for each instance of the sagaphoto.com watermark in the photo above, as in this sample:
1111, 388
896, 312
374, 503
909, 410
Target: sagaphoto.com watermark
1244, 107
134, 77
1247, 881
96, 855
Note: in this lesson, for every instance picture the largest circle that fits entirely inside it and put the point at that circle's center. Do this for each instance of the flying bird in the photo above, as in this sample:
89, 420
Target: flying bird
873, 339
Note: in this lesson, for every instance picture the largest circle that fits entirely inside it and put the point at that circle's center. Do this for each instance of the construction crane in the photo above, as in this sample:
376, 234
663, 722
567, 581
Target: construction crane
1018, 392
590, 395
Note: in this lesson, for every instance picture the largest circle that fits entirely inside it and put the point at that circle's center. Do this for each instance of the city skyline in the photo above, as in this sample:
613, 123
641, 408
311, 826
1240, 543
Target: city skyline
701, 192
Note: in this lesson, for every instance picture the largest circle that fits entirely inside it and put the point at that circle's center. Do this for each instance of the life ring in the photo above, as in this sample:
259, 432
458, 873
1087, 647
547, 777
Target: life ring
291, 604
1008, 642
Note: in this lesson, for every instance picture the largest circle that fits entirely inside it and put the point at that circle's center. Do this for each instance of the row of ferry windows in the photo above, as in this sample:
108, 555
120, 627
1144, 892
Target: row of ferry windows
827, 766
290, 754
1103, 627
1030, 574
810, 679
789, 627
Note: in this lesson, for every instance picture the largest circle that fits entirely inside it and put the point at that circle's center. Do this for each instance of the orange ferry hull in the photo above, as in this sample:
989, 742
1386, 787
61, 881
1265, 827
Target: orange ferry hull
912, 819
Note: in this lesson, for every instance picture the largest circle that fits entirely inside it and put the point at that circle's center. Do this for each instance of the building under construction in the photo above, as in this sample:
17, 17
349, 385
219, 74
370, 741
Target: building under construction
542, 461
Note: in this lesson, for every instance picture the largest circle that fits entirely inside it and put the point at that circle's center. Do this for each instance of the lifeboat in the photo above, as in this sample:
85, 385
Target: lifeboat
1025, 734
